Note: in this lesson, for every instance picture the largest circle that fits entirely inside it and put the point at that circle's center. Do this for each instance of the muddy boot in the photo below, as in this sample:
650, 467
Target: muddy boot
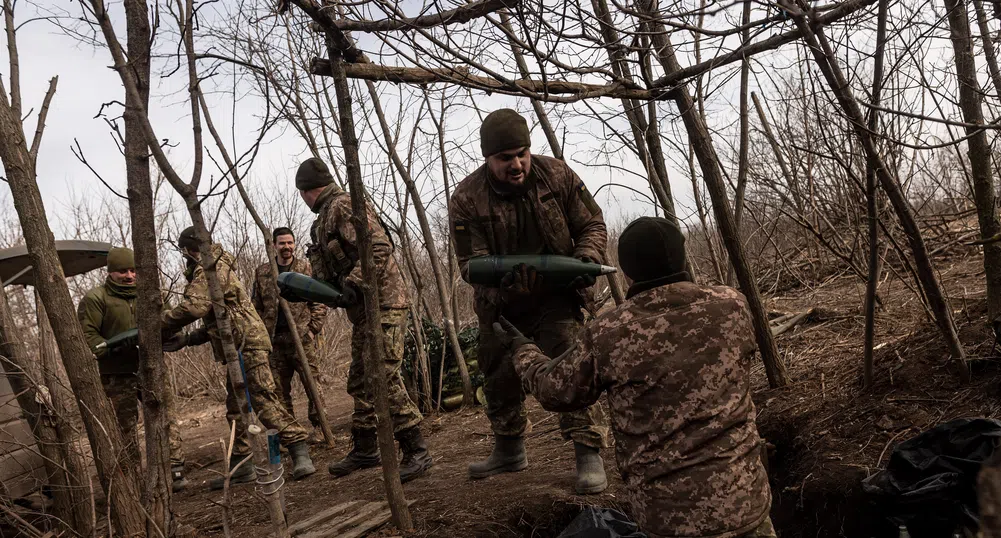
302, 466
177, 474
242, 475
590, 470
416, 460
363, 455
508, 456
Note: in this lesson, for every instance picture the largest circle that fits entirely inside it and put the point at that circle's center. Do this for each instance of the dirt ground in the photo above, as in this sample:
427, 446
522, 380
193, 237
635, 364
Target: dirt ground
825, 432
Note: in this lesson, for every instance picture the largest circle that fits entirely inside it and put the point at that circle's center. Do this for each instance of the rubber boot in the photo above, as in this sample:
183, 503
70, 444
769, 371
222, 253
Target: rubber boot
416, 460
177, 474
590, 470
364, 454
302, 465
242, 475
508, 456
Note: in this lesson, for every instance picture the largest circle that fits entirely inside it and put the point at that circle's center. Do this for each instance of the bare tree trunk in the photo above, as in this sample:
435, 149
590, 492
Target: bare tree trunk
978, 150
25, 377
468, 398
742, 165
153, 374
698, 134
375, 364
990, 53
872, 208
826, 60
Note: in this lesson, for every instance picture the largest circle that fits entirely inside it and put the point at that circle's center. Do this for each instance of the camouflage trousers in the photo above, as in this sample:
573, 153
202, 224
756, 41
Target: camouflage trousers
765, 530
123, 391
554, 327
265, 402
284, 367
403, 410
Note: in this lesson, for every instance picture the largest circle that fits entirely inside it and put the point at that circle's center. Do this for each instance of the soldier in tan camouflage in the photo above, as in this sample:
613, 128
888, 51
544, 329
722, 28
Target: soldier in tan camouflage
674, 360
308, 318
519, 203
106, 311
334, 258
253, 344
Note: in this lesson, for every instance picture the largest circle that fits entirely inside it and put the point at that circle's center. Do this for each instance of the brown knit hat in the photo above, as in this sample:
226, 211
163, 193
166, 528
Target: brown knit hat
120, 259
313, 173
502, 130
651, 248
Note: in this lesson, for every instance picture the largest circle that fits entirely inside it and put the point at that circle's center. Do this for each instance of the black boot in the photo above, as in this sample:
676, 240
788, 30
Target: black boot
242, 475
302, 465
363, 455
508, 456
416, 460
177, 474
590, 470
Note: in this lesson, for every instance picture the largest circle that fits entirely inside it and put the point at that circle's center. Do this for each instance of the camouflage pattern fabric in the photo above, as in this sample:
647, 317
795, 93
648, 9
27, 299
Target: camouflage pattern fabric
264, 399
674, 361
485, 221
334, 252
309, 317
554, 327
437, 348
285, 365
401, 407
123, 391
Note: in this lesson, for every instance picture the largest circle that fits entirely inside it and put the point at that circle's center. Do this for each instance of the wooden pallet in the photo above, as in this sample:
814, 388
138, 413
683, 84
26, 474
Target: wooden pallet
353, 519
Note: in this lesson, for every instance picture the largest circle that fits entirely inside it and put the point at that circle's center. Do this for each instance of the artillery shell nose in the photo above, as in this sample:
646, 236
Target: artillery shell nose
608, 269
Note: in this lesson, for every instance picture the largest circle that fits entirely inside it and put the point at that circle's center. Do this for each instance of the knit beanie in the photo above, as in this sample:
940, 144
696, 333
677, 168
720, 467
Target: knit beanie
313, 173
502, 130
187, 239
120, 259
651, 248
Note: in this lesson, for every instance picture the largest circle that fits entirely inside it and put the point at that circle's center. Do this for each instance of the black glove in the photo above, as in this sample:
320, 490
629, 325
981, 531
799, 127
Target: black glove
508, 335
350, 295
175, 343
583, 281
522, 280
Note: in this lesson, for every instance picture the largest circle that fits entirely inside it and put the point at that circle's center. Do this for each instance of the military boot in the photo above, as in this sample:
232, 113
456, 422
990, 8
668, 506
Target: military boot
177, 475
302, 465
416, 460
364, 454
590, 470
241, 476
508, 456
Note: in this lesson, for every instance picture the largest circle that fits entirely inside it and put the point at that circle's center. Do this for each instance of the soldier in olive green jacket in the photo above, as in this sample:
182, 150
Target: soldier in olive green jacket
108, 310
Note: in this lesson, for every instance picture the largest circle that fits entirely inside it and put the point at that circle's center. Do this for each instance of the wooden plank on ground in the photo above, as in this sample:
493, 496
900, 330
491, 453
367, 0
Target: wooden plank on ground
322, 517
333, 528
367, 525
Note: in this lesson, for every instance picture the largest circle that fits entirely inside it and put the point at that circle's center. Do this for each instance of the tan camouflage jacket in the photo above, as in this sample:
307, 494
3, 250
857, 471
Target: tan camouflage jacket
308, 316
334, 252
484, 222
248, 330
674, 361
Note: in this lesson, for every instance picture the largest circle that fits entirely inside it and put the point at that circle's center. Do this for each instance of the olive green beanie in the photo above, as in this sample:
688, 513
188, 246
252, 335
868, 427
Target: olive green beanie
502, 130
188, 239
313, 173
120, 259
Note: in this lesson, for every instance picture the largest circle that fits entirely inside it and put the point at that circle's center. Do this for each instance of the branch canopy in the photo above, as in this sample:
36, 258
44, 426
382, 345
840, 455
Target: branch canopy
458, 15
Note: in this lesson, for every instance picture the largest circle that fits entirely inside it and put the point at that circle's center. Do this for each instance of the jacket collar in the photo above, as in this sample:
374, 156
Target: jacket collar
640, 287
326, 197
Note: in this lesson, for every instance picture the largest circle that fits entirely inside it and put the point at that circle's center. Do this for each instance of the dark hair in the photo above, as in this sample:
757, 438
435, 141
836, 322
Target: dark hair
281, 231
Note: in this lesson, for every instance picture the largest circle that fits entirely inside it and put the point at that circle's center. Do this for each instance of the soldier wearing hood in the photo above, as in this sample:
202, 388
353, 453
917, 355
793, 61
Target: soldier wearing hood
334, 258
674, 362
252, 343
519, 203
104, 312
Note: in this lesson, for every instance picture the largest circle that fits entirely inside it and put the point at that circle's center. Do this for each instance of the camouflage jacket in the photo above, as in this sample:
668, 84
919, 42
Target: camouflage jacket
674, 361
485, 221
248, 330
105, 312
308, 316
334, 253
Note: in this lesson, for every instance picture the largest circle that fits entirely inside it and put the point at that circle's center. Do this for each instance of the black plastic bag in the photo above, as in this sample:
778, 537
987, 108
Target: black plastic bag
601, 523
929, 484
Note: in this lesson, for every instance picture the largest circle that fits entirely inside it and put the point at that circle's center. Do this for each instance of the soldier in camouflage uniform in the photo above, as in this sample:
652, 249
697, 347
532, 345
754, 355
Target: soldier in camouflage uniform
308, 318
106, 311
253, 344
674, 360
334, 258
519, 203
